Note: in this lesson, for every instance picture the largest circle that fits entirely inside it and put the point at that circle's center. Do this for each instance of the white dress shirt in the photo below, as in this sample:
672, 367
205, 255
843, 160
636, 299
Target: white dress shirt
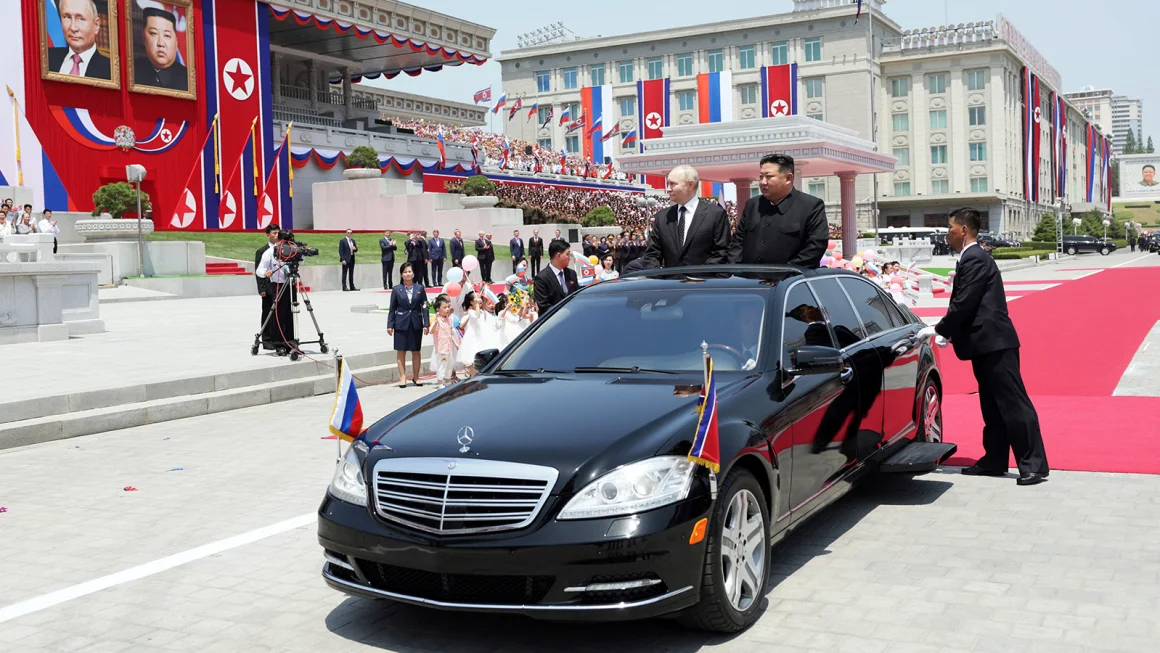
968, 246
86, 57
268, 264
47, 227
690, 209
559, 274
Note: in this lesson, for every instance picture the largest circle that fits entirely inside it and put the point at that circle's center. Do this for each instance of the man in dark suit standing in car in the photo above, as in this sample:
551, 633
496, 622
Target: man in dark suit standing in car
557, 280
535, 252
690, 232
980, 330
782, 225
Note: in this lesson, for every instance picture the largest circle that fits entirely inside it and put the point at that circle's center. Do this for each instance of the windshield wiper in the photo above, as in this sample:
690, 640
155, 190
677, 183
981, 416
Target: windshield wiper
537, 371
619, 370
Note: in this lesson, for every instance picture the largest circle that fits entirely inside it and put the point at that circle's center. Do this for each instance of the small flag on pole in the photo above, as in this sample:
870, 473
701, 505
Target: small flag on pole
706, 448
346, 419
858, 15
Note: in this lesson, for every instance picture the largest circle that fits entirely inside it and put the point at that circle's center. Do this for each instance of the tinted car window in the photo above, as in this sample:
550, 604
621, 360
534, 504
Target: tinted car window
805, 324
655, 329
869, 304
897, 315
847, 328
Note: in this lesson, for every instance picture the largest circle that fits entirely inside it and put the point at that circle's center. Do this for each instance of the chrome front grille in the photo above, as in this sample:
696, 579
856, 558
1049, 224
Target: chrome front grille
449, 496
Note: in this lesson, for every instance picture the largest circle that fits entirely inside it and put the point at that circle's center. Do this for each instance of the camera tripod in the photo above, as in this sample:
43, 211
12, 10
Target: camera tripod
290, 347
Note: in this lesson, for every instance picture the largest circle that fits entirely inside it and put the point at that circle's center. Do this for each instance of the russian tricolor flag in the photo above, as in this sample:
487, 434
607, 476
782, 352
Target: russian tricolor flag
715, 96
779, 91
442, 148
595, 105
499, 103
346, 418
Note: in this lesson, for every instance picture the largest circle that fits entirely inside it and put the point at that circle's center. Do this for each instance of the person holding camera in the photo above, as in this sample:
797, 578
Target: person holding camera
279, 330
408, 322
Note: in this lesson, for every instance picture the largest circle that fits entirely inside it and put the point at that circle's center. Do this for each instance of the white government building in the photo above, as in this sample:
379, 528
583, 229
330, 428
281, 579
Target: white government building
948, 102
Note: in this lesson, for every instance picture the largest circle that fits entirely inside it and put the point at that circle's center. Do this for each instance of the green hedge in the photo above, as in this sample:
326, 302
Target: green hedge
1035, 244
1010, 253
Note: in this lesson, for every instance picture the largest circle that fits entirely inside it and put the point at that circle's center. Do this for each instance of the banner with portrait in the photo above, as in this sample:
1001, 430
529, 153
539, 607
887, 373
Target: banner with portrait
160, 47
1138, 178
79, 42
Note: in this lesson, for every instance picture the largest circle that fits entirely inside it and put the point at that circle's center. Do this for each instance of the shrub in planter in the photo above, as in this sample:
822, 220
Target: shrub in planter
601, 216
363, 156
477, 185
118, 199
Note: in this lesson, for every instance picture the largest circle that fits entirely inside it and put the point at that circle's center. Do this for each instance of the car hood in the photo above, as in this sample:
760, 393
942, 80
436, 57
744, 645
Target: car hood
583, 425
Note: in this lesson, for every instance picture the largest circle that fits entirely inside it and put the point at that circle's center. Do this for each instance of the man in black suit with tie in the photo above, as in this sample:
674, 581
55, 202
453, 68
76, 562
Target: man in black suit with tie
980, 330
457, 250
387, 244
556, 281
782, 225
690, 232
346, 251
555, 238
437, 251
517, 248
482, 254
535, 252
81, 24
263, 282
416, 255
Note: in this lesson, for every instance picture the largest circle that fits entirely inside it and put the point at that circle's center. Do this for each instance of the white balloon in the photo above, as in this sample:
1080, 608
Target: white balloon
455, 275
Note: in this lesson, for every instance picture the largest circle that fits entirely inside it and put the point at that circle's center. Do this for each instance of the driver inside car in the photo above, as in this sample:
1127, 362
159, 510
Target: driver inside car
749, 324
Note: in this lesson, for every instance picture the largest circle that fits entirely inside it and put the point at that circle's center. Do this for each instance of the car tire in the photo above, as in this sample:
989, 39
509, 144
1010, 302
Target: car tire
1071, 251
740, 502
930, 424
1105, 251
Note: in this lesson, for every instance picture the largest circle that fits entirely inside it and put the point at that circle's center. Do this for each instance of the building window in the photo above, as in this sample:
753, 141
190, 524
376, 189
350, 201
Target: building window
978, 151
780, 53
940, 187
938, 154
543, 81
598, 74
979, 185
976, 80
977, 116
542, 114
814, 88
545, 143
903, 155
574, 110
656, 68
716, 61
814, 49
938, 119
572, 144
749, 94
684, 64
569, 77
625, 68
902, 189
900, 87
936, 83
687, 100
901, 122
818, 188
747, 57
627, 107
816, 116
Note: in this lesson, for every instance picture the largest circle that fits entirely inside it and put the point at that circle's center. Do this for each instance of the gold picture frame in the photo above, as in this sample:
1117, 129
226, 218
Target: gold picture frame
102, 68
146, 78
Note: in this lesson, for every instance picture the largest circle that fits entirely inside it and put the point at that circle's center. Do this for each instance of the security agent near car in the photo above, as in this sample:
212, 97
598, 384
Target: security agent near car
821, 380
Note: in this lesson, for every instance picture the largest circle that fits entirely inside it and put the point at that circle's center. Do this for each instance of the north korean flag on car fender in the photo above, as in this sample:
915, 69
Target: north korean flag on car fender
652, 108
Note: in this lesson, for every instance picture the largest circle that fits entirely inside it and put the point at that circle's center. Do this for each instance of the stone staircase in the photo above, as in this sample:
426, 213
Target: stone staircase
224, 268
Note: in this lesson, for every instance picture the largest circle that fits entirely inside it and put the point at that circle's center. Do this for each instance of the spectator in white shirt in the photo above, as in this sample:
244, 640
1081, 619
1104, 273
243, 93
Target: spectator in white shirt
48, 226
25, 226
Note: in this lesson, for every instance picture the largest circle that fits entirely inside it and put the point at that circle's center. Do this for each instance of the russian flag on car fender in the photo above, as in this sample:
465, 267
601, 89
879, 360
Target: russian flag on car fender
715, 96
346, 418
706, 447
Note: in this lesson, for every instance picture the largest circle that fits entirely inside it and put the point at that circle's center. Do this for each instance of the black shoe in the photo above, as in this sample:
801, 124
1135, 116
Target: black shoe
1031, 479
975, 470
354, 289
417, 384
344, 290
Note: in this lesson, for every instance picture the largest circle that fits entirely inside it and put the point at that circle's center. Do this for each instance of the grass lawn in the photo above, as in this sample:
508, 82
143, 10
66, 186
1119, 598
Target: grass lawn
241, 246
942, 272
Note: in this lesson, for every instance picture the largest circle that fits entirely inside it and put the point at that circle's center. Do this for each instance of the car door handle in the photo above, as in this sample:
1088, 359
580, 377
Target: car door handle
847, 375
902, 346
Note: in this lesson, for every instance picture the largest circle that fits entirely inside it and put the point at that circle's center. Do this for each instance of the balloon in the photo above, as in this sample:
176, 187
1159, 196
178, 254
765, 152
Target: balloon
455, 275
870, 255
895, 287
831, 246
837, 256
826, 260
856, 261
593, 260
453, 289
470, 263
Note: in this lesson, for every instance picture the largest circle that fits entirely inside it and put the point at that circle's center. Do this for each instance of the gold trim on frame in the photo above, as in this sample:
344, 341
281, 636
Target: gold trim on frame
114, 81
190, 65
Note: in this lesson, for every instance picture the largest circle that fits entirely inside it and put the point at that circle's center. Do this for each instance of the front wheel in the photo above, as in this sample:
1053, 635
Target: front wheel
929, 414
1105, 251
733, 582
1071, 251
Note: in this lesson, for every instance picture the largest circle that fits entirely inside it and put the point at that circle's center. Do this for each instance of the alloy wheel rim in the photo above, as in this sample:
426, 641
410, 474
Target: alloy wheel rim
932, 415
743, 550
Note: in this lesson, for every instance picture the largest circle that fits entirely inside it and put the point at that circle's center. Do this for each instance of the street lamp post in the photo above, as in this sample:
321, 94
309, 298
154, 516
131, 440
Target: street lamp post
136, 174
1075, 225
1107, 223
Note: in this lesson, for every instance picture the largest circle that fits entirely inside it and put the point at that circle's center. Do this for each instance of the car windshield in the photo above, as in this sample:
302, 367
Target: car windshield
649, 330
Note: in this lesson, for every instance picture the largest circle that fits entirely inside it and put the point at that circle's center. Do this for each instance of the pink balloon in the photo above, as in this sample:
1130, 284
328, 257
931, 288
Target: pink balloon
831, 246
837, 256
453, 289
895, 287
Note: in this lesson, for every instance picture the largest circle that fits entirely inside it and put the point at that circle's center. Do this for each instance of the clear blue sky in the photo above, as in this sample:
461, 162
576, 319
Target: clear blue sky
1108, 44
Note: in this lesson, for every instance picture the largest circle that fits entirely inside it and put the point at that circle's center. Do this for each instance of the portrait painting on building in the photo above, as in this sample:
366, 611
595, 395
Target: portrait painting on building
1138, 178
78, 42
160, 47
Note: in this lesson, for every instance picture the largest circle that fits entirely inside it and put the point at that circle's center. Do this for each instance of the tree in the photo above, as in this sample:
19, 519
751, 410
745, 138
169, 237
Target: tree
1116, 178
118, 199
1045, 230
477, 185
1130, 143
601, 216
1149, 149
363, 157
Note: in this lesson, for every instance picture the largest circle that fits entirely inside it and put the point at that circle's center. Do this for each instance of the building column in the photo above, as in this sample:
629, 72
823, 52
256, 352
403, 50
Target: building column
312, 83
346, 96
849, 213
799, 175
276, 73
743, 190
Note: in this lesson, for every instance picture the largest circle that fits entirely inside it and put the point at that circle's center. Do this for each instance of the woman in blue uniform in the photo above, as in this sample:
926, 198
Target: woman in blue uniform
408, 322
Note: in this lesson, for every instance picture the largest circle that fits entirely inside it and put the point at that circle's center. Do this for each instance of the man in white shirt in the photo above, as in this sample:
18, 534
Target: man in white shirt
48, 226
690, 232
279, 329
81, 24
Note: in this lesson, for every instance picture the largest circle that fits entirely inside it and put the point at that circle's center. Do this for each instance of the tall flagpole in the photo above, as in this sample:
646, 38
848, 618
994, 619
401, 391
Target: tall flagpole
873, 121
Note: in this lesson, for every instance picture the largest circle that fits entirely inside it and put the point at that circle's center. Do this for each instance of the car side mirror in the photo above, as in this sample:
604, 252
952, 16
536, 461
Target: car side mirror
813, 359
484, 357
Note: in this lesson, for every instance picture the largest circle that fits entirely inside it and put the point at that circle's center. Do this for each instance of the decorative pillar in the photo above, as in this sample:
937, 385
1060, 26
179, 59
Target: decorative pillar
346, 97
276, 73
849, 213
799, 175
743, 190
312, 76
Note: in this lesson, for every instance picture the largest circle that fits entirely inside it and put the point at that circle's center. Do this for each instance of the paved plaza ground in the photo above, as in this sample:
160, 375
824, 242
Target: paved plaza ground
215, 550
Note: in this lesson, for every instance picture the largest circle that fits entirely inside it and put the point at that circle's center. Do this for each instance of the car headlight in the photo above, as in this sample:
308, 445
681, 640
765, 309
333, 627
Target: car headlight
633, 488
348, 483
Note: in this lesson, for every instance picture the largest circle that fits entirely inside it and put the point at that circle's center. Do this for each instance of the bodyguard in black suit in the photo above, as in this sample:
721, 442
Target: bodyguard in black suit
416, 256
346, 251
437, 252
457, 250
516, 245
782, 225
557, 280
690, 232
535, 251
980, 330
485, 254
387, 244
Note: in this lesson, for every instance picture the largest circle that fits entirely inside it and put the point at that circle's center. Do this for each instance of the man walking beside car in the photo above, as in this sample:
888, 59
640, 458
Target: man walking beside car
977, 325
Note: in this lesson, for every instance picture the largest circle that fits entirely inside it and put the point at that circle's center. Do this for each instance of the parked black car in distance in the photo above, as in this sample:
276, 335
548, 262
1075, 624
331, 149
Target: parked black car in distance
1079, 244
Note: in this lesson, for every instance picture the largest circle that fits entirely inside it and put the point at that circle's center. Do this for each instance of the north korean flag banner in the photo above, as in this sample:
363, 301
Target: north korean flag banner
190, 211
652, 101
239, 198
1062, 170
1091, 134
1031, 116
1053, 106
779, 91
275, 204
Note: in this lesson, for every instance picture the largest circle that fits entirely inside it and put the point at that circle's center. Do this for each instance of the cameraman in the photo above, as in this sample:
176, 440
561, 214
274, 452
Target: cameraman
279, 330
263, 282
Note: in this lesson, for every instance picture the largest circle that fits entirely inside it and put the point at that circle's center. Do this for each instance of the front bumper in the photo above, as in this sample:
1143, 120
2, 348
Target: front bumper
541, 571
